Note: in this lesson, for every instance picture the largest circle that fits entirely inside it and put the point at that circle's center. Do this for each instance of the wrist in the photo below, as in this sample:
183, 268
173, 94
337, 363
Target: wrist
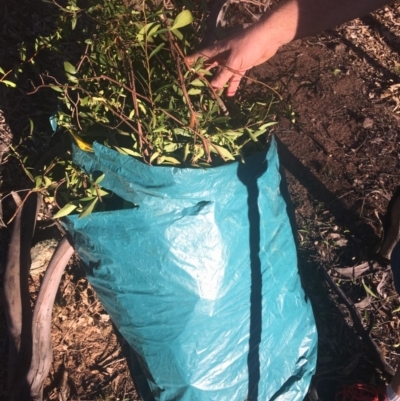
279, 26
268, 37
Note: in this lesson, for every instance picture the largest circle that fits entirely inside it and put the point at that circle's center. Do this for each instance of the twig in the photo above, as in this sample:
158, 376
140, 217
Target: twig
114, 81
19, 205
132, 80
110, 107
41, 322
83, 58
13, 193
179, 55
170, 116
361, 331
56, 189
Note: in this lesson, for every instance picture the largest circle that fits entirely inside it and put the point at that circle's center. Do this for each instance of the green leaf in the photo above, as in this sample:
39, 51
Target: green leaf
65, 211
101, 192
28, 173
153, 30
198, 153
221, 119
72, 78
142, 108
38, 181
194, 91
31, 126
204, 72
8, 83
124, 133
154, 156
163, 88
88, 209
47, 181
233, 133
224, 153
263, 128
186, 152
171, 147
100, 179
68, 67
368, 290
84, 101
167, 160
160, 129
147, 31
56, 88
156, 50
1, 71
197, 82
120, 150
183, 132
131, 152
177, 34
251, 135
182, 19
270, 124
87, 198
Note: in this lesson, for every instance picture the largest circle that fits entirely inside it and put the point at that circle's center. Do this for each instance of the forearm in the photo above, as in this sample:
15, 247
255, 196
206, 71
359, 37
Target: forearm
295, 19
291, 19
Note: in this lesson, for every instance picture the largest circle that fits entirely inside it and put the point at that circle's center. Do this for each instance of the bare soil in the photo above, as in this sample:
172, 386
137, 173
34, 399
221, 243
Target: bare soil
341, 157
340, 152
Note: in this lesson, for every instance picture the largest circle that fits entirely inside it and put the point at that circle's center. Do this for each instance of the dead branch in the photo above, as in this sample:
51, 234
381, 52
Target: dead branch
16, 290
361, 331
41, 324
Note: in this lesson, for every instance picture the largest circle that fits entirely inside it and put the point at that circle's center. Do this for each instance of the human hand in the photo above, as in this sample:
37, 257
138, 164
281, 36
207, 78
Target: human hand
235, 55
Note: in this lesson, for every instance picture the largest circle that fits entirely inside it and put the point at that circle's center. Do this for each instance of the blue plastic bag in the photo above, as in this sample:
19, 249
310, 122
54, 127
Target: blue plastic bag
201, 279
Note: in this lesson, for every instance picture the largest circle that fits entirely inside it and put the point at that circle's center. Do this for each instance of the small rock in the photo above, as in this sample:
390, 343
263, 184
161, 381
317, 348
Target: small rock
342, 242
340, 48
41, 254
368, 123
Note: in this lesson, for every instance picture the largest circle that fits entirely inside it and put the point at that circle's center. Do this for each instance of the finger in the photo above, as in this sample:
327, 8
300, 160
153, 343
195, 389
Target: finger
215, 53
222, 77
205, 53
234, 84
210, 66
191, 59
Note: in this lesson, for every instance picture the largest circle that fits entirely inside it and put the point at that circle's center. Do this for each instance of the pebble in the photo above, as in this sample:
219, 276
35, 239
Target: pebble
41, 254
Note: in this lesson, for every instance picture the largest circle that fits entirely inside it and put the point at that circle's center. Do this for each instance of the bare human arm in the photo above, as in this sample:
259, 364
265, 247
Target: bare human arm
292, 19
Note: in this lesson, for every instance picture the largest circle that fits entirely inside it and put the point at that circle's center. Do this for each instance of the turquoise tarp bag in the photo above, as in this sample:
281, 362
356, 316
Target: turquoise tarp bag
201, 279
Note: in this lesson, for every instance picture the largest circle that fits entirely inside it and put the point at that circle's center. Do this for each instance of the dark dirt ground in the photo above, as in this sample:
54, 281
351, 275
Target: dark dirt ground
341, 158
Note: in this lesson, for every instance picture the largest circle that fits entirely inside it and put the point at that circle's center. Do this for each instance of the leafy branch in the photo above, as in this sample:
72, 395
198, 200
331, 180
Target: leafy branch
124, 82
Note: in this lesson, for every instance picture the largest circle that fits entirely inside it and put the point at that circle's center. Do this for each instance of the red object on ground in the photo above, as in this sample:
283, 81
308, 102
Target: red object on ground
361, 392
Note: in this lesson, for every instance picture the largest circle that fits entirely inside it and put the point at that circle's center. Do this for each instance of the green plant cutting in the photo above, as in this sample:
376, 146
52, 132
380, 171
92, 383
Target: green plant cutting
126, 84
